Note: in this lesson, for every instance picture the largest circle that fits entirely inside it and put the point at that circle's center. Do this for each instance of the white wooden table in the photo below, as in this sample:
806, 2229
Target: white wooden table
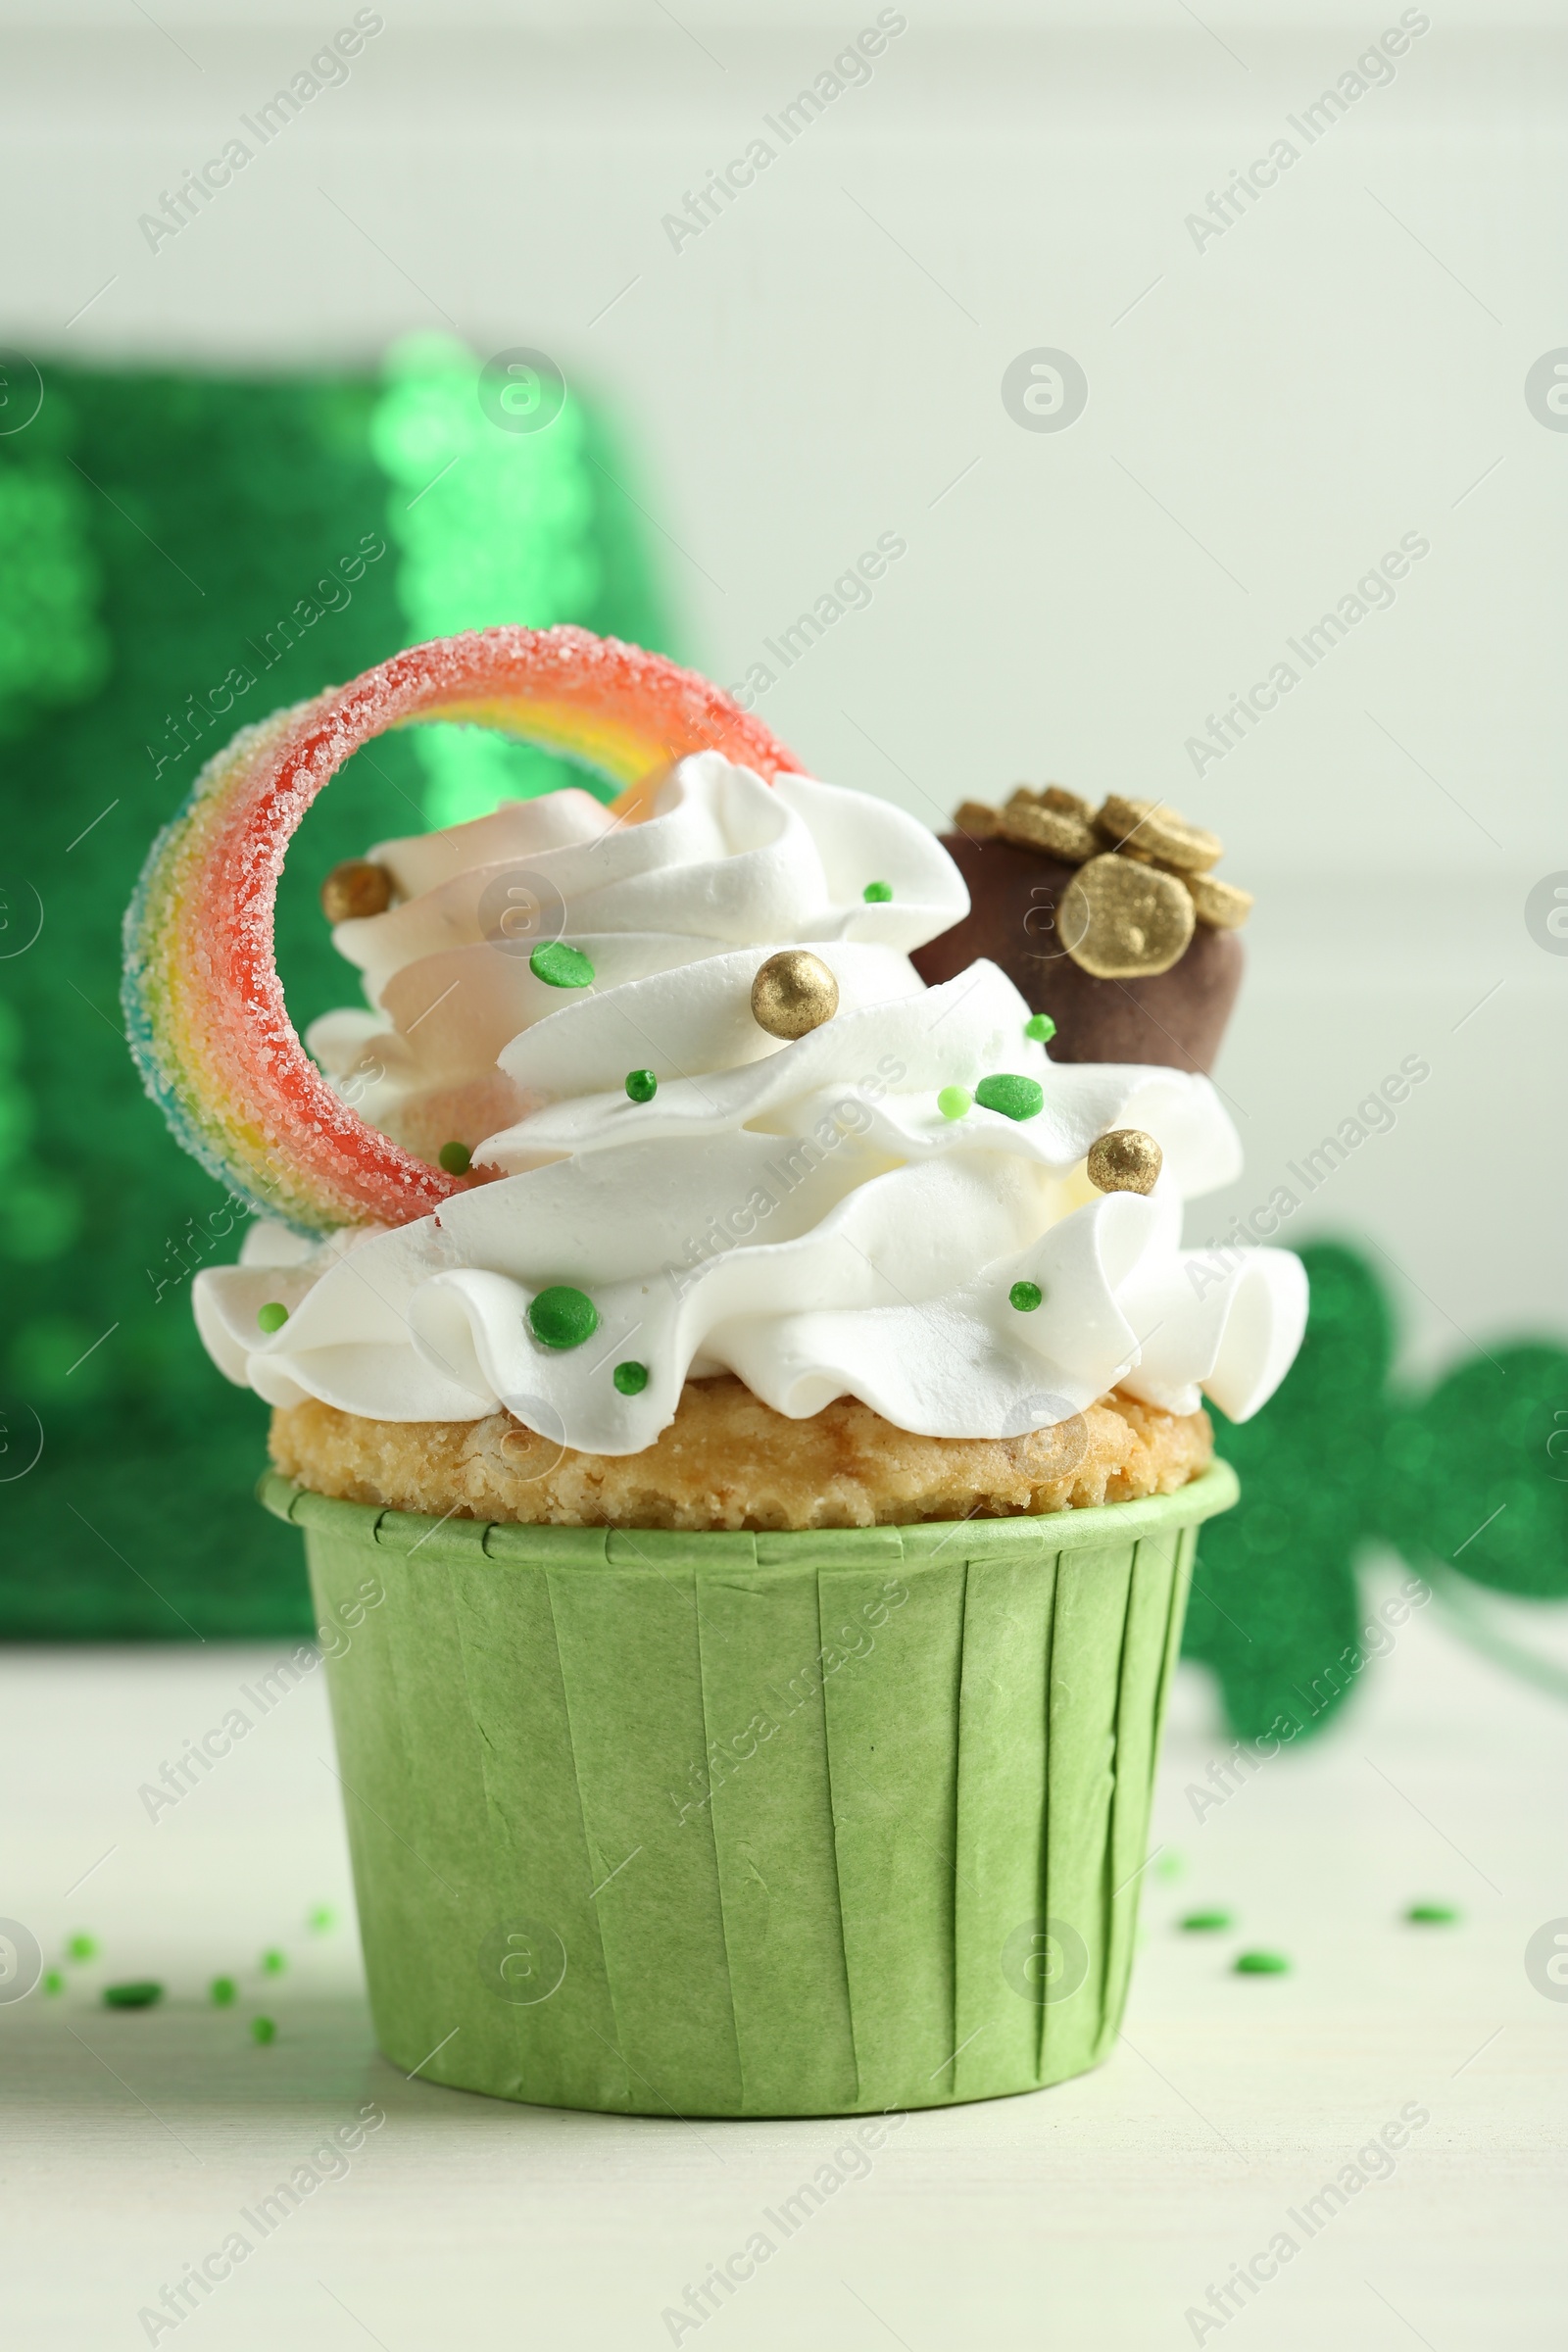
1097, 2214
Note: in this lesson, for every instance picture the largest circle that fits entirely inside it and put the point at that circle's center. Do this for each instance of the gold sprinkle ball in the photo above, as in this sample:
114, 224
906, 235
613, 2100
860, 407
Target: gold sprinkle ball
1120, 921
793, 993
1219, 905
1148, 829
1126, 1160
355, 889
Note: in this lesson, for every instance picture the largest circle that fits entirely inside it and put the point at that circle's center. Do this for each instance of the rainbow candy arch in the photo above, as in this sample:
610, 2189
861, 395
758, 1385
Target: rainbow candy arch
203, 1006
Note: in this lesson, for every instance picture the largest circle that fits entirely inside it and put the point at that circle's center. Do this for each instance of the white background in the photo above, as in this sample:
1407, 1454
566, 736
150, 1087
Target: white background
1266, 417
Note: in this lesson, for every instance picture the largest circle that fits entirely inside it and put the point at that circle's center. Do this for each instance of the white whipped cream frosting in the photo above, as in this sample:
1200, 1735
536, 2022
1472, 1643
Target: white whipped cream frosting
801, 1215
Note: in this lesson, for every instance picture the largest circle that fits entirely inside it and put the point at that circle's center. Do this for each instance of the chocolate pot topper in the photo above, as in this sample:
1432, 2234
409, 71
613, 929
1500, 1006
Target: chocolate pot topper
1111, 921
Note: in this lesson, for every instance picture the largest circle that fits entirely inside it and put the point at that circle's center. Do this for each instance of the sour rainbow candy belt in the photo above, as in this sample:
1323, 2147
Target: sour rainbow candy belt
203, 1006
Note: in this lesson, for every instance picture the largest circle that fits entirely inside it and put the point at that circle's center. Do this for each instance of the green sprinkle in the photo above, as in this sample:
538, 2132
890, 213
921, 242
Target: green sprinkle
1170, 1865
456, 1158
877, 894
1431, 1915
1014, 1098
1041, 1030
1025, 1296
53, 1980
1261, 1964
954, 1101
320, 1919
561, 967
272, 1316
630, 1378
145, 1993
223, 1992
82, 1947
263, 2030
641, 1085
273, 1963
562, 1317
1206, 1923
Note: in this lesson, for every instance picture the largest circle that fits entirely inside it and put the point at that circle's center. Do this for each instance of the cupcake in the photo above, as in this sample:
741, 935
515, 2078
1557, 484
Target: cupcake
745, 1401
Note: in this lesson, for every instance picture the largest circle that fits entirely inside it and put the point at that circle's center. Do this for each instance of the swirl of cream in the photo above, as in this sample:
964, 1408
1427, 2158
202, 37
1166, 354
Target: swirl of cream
801, 1214
724, 861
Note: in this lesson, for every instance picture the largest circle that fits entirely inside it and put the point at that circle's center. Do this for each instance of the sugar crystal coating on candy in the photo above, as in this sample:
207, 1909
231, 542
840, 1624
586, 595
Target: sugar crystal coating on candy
1015, 1097
205, 1012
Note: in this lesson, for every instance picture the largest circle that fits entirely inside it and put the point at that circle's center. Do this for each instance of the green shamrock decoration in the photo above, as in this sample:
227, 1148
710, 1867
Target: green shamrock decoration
1471, 1477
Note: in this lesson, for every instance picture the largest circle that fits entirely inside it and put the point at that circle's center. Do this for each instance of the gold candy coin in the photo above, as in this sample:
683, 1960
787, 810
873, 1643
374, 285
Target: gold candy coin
1148, 829
1219, 905
355, 889
1120, 921
1056, 831
793, 993
976, 818
1126, 1160
1067, 804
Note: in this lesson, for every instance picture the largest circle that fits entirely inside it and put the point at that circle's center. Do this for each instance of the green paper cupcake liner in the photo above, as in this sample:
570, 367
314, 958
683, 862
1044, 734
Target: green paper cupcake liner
734, 1825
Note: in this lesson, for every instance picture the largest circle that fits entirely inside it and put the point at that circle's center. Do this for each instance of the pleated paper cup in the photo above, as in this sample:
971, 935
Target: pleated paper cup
748, 1825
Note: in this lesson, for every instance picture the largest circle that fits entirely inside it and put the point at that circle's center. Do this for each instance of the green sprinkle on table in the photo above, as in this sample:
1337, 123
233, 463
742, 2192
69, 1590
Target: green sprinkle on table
145, 1992
53, 1980
456, 1158
263, 2030
562, 1317
1431, 1915
272, 1316
954, 1101
320, 1919
641, 1085
223, 1992
273, 1963
630, 1378
1261, 1964
1014, 1096
877, 894
1205, 1923
1025, 1296
82, 1947
1041, 1030
561, 967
